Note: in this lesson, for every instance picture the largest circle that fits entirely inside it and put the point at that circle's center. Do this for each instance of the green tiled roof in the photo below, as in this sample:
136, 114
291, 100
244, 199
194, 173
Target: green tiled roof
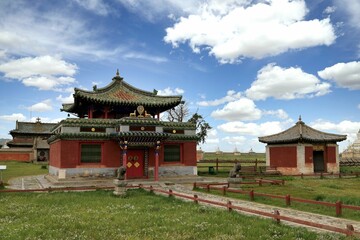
120, 93
80, 136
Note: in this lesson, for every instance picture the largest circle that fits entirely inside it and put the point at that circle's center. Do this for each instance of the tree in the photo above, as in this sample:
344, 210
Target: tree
179, 113
202, 127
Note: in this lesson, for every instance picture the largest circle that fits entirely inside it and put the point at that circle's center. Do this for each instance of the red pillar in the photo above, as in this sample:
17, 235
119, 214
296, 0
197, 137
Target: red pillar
156, 169
124, 158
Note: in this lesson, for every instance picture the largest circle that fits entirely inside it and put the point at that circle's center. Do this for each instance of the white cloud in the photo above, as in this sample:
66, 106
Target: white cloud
346, 75
330, 9
230, 96
13, 117
28, 29
280, 113
153, 10
44, 72
237, 140
168, 91
285, 83
68, 99
142, 56
43, 106
235, 31
253, 129
243, 109
97, 6
352, 7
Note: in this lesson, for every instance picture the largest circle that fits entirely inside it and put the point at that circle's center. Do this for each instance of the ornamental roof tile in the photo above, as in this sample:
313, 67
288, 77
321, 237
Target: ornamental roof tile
302, 132
120, 93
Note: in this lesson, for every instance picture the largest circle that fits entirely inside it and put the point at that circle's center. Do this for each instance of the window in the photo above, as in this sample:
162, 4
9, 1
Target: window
90, 153
172, 153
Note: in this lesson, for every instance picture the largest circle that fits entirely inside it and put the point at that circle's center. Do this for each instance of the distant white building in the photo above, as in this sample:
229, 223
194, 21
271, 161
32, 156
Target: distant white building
353, 150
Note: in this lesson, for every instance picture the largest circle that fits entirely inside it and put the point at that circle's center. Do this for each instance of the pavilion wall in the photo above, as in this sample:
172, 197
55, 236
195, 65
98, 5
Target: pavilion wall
293, 159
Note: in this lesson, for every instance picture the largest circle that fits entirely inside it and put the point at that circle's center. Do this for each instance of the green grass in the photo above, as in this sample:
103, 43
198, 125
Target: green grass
327, 189
232, 156
140, 215
19, 169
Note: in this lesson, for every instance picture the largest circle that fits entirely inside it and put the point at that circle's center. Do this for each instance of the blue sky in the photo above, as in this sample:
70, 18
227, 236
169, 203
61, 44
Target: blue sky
249, 67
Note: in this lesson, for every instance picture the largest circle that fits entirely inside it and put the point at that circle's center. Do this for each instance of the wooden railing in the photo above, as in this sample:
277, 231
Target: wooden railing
288, 199
224, 164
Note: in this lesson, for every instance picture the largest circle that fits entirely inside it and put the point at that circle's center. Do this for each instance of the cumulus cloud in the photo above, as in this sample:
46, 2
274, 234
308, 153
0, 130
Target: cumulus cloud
243, 109
168, 91
13, 117
68, 99
43, 106
44, 72
346, 75
285, 83
231, 95
240, 30
253, 129
330, 9
352, 7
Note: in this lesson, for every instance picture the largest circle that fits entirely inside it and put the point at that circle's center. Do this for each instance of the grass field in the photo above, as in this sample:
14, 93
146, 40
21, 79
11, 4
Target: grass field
140, 215
19, 169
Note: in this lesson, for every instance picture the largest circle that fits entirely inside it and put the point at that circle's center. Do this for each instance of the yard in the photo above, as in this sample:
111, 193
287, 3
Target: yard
140, 215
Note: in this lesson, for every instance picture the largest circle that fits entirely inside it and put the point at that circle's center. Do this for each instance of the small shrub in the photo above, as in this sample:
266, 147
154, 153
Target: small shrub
319, 197
43, 167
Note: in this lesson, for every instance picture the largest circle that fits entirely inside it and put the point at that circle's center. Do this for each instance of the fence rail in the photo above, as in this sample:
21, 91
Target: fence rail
288, 199
348, 230
224, 164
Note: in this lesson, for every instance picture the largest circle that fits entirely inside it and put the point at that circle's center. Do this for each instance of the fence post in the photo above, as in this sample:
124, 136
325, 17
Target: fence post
140, 186
283, 182
170, 193
287, 200
302, 176
256, 163
217, 165
276, 216
350, 229
208, 187
338, 206
151, 189
196, 199
194, 185
224, 190
260, 183
229, 206
251, 194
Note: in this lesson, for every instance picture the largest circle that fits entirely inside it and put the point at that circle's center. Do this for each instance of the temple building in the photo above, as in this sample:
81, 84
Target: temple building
302, 149
119, 125
29, 142
352, 152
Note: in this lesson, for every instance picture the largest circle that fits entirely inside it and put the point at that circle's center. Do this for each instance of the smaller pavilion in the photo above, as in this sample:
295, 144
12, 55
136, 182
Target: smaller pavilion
302, 149
353, 151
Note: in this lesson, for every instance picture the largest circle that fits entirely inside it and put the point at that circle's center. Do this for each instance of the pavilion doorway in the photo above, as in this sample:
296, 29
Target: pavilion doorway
135, 164
318, 158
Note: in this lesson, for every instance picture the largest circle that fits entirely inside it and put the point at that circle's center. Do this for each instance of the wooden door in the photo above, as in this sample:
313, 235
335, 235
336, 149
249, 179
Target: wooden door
318, 158
135, 164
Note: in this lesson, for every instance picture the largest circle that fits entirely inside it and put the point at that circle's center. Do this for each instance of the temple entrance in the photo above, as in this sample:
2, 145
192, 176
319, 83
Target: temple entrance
135, 164
318, 158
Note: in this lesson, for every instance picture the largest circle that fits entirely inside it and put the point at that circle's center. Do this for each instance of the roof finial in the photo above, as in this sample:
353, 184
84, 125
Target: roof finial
299, 117
117, 72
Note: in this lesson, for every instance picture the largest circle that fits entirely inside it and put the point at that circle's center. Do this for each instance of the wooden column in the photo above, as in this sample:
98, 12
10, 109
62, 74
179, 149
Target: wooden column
124, 156
156, 168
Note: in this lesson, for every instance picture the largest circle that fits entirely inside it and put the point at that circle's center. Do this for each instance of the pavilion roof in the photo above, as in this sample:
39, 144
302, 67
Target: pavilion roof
37, 128
302, 133
119, 93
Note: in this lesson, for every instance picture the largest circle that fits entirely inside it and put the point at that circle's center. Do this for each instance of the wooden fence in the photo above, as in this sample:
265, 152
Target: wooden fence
348, 230
288, 199
217, 164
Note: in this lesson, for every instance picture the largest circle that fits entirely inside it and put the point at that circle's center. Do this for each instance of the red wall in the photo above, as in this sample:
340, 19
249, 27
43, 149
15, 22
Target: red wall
331, 154
283, 156
16, 156
66, 153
